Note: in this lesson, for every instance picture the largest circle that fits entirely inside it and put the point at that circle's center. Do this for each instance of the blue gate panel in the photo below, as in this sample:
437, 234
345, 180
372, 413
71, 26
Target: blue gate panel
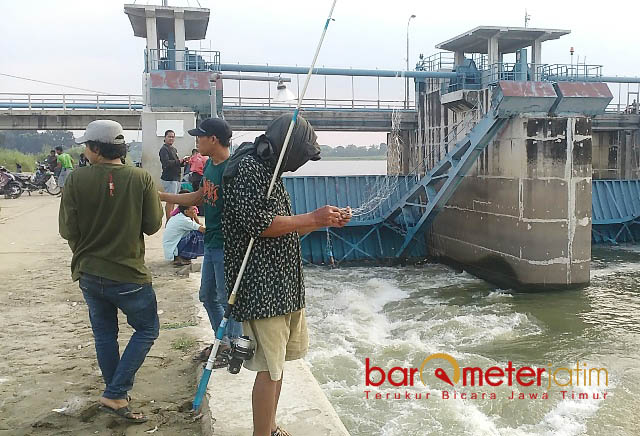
364, 238
615, 211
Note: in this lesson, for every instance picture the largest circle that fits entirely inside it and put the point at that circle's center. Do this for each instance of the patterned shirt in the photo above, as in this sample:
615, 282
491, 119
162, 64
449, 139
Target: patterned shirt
273, 282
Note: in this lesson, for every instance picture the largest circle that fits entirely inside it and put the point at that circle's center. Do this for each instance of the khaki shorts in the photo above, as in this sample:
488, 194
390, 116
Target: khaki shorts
276, 340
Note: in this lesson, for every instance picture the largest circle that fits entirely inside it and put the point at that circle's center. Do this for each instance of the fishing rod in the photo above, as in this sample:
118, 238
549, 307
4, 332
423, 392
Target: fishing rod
204, 380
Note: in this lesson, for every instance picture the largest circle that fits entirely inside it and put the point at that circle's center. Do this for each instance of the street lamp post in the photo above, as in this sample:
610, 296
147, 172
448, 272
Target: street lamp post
406, 83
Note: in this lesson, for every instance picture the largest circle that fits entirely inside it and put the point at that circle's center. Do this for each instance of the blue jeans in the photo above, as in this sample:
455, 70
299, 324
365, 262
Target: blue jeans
138, 302
213, 294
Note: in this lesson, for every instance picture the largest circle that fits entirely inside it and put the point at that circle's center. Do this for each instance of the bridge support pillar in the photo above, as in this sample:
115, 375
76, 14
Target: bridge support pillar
154, 124
522, 216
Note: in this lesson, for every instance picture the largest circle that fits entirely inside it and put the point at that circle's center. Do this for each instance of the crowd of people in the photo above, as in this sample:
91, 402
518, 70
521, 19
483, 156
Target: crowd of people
108, 207
61, 164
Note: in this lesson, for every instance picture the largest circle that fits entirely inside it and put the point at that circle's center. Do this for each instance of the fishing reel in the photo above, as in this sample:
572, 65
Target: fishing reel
241, 349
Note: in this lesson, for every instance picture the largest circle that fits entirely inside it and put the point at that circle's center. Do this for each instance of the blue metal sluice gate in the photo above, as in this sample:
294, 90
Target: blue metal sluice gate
615, 216
364, 238
615, 211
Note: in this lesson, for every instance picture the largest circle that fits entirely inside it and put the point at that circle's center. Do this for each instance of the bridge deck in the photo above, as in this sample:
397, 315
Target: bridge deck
240, 118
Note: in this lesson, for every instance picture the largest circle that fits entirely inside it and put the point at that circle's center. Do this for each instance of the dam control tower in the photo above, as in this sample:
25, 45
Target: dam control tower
176, 80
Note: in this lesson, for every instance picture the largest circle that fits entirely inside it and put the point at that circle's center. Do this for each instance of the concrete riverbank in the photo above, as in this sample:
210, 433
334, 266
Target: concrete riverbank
49, 378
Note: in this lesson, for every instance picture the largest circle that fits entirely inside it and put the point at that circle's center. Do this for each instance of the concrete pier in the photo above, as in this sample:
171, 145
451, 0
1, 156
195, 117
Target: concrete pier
522, 216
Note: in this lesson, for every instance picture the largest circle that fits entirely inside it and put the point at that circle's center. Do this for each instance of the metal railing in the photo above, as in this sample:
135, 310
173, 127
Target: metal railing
623, 108
319, 103
538, 72
443, 60
70, 102
455, 133
184, 60
510, 71
568, 70
373, 93
481, 60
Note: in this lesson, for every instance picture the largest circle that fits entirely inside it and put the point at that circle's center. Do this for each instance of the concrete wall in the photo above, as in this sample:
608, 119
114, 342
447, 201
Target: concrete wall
152, 140
616, 154
522, 216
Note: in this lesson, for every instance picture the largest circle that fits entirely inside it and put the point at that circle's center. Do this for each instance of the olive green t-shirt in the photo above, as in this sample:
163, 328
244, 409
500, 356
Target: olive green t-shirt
105, 211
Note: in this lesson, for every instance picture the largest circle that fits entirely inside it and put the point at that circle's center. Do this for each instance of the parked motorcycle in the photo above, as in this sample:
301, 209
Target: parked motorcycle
42, 179
9, 186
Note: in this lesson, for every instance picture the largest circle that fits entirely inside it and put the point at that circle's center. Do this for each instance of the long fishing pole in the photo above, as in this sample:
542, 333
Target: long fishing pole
204, 380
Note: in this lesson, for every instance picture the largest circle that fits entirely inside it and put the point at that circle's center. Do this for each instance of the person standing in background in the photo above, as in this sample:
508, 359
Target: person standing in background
52, 162
83, 161
196, 165
65, 164
171, 169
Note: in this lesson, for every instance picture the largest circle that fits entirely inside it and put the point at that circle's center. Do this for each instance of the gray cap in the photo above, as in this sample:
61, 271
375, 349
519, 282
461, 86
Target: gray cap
104, 131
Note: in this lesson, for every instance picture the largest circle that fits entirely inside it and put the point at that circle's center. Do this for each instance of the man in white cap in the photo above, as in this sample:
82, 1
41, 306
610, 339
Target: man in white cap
105, 210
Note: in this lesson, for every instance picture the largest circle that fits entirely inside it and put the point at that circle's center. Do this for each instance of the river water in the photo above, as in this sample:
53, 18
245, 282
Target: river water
399, 316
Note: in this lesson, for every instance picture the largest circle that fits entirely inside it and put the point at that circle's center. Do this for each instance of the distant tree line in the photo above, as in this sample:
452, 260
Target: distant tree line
34, 142
25, 147
354, 151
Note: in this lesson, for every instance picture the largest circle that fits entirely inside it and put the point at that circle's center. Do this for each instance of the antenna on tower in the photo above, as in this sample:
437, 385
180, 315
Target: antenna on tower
527, 18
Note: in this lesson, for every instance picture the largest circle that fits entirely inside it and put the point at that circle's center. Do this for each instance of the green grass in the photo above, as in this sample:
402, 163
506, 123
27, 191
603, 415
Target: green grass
9, 158
177, 325
183, 344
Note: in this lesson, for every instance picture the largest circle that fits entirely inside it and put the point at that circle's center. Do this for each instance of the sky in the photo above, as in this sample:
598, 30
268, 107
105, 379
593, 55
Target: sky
90, 44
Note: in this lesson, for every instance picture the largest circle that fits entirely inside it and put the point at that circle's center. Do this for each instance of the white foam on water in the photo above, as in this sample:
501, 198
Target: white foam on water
569, 416
628, 248
359, 312
617, 268
498, 295
351, 317
476, 327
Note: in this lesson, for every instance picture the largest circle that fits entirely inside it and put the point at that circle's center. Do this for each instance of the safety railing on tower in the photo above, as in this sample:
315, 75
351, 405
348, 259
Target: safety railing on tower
443, 60
567, 71
507, 71
183, 60
517, 71
627, 100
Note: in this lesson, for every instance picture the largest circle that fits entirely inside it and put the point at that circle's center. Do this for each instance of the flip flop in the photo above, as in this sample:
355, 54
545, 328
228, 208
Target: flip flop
124, 413
203, 355
279, 431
